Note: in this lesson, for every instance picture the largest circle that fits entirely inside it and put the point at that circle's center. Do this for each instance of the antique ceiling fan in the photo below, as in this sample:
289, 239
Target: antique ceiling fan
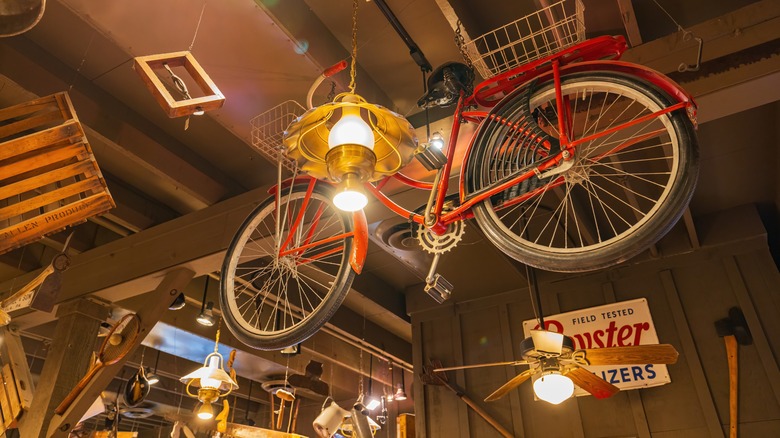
555, 366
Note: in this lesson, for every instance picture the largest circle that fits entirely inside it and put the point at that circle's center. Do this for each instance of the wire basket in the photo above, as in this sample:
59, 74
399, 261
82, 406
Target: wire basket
534, 36
268, 129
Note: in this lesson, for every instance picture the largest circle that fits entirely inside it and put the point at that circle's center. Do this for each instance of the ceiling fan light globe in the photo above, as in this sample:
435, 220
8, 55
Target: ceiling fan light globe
553, 387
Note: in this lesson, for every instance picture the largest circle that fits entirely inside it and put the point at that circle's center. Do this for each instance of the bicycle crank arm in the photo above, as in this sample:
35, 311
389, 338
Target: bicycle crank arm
437, 286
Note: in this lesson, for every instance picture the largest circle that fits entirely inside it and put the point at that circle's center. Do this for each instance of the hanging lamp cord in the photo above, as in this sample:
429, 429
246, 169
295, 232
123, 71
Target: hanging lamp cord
354, 47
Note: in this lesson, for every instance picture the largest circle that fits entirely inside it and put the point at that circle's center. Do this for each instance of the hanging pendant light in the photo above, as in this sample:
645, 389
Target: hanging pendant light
350, 141
206, 315
212, 382
400, 393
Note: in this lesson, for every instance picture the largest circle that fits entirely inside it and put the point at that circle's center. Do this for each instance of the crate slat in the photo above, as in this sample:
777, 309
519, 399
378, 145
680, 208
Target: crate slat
51, 197
29, 164
86, 167
32, 229
41, 139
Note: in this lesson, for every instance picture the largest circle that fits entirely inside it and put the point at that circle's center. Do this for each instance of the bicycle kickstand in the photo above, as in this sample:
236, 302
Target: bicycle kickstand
435, 285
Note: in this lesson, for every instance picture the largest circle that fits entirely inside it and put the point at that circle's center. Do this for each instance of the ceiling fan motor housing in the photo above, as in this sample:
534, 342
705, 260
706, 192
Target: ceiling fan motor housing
529, 352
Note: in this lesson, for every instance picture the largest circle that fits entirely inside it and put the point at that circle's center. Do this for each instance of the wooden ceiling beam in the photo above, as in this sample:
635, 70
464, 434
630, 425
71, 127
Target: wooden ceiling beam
132, 265
296, 19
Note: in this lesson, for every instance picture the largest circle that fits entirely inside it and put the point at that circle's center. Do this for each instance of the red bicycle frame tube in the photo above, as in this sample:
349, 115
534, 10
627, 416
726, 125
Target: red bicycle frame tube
359, 232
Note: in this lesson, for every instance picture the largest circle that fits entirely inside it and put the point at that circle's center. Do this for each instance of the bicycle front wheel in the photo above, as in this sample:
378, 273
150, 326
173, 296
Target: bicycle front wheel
287, 272
625, 190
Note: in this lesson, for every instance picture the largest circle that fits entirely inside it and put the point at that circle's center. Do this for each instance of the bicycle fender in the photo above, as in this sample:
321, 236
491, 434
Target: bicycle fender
653, 77
359, 242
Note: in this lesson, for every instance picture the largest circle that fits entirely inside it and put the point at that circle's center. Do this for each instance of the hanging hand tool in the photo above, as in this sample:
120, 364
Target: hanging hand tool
734, 331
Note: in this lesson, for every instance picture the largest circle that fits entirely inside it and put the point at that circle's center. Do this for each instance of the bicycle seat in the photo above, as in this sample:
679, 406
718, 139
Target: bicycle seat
446, 83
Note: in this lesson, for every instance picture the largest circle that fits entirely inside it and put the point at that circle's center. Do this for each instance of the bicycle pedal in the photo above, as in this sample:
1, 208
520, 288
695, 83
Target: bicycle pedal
439, 288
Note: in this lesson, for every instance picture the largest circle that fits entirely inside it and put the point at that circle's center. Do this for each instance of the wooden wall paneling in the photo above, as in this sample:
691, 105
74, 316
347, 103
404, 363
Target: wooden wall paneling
440, 402
508, 340
634, 397
689, 350
757, 330
482, 339
672, 408
418, 361
460, 378
761, 277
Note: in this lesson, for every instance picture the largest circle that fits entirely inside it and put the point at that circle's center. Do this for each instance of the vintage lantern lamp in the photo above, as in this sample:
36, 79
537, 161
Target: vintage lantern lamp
350, 141
212, 382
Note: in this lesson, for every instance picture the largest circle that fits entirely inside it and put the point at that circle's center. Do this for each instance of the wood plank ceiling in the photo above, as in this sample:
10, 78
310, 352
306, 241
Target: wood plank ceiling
181, 193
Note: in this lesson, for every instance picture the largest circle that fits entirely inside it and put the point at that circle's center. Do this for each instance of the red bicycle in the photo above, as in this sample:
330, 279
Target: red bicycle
579, 162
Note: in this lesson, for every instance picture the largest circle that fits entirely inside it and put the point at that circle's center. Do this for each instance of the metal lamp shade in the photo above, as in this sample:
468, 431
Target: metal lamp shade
306, 139
211, 371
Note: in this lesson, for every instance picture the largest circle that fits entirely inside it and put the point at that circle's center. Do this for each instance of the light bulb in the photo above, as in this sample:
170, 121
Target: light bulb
199, 111
436, 140
553, 387
206, 412
350, 196
350, 200
351, 129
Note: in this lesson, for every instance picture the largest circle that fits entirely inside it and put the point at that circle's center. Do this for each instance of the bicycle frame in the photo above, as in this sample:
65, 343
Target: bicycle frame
551, 68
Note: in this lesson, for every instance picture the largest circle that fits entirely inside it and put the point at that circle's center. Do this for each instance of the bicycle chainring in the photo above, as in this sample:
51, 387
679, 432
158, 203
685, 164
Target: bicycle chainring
438, 244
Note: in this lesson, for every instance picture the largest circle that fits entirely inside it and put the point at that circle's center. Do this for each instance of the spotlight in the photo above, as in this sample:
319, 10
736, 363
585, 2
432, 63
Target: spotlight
178, 302
206, 316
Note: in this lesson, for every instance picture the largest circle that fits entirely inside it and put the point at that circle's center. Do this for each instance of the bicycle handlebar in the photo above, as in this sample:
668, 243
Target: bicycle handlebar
328, 72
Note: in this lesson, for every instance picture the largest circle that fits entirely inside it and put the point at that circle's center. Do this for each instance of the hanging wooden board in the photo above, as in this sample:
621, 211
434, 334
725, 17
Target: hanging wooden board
49, 178
211, 98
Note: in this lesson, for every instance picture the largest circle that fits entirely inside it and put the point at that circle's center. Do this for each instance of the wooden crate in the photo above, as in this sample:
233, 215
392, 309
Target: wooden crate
405, 426
49, 178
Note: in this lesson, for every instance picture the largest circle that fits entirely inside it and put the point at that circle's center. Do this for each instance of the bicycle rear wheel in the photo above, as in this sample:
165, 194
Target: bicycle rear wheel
272, 300
625, 190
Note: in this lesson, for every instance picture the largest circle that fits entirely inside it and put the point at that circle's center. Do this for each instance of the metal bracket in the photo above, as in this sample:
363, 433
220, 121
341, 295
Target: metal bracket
683, 67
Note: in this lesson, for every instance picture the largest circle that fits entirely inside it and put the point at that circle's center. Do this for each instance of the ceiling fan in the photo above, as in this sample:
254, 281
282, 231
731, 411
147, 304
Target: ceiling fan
556, 366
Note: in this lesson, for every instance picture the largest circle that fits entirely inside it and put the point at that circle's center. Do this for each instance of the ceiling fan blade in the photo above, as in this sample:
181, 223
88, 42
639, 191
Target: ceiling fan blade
636, 354
588, 381
547, 342
510, 385
482, 365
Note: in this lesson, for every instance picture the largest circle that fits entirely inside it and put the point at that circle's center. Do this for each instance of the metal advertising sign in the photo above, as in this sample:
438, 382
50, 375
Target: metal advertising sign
612, 325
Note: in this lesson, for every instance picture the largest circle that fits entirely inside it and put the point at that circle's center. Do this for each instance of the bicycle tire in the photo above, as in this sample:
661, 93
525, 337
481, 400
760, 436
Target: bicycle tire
254, 266
616, 245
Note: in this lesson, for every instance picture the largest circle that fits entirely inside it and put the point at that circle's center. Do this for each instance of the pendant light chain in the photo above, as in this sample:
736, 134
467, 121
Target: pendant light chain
216, 339
354, 47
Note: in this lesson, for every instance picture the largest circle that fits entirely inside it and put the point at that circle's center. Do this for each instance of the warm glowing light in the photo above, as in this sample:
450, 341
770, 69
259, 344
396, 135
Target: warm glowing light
350, 200
553, 387
206, 412
198, 111
436, 140
351, 129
